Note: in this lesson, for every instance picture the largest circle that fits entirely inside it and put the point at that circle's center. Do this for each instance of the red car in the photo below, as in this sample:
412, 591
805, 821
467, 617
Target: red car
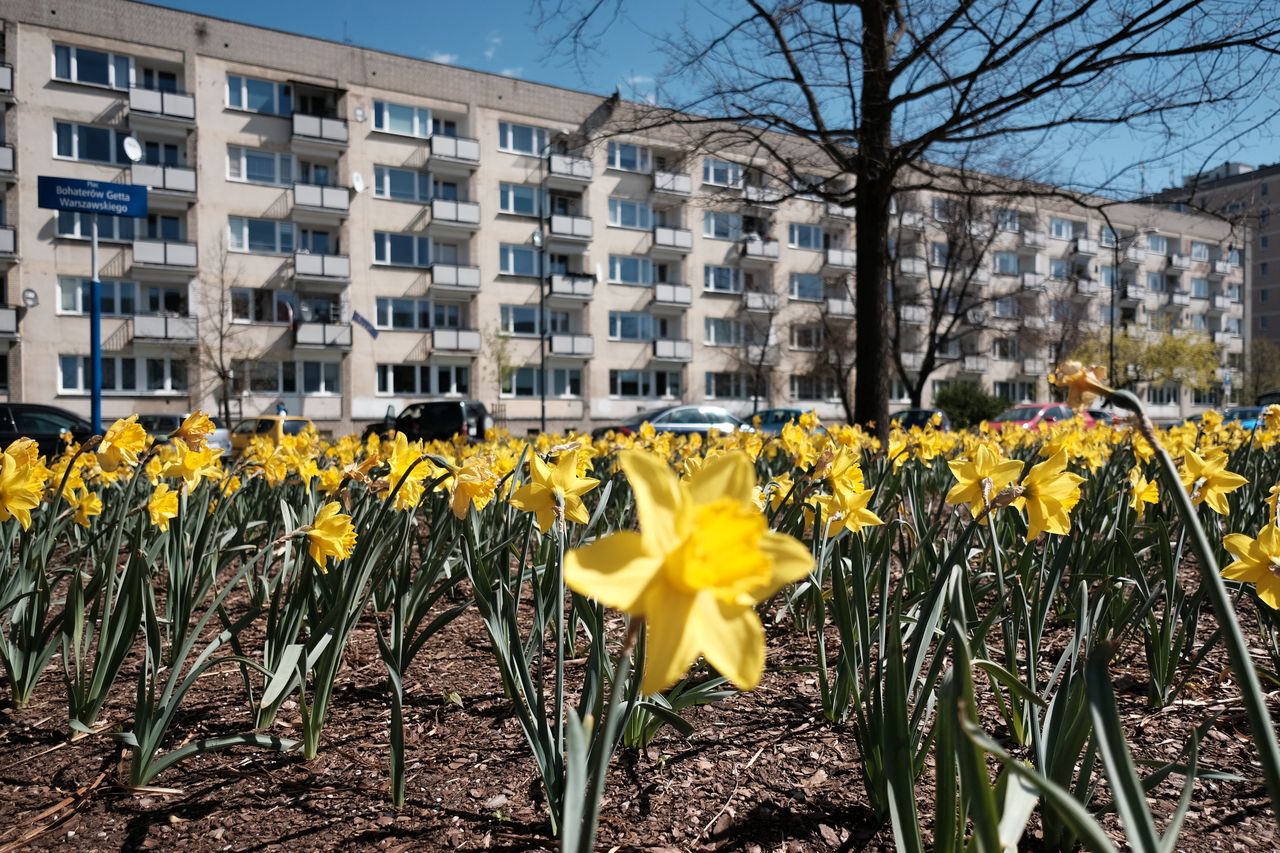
1032, 415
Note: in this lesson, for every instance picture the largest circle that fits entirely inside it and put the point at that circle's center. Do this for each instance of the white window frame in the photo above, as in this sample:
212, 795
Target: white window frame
113, 71
712, 220
76, 129
384, 374
240, 242
711, 274
423, 184
721, 173
83, 230
618, 264
722, 332
506, 138
807, 236
642, 156
281, 99
77, 289
509, 193
422, 250
330, 384
806, 337
507, 253
795, 290
285, 166
420, 119
384, 314
1062, 229
630, 214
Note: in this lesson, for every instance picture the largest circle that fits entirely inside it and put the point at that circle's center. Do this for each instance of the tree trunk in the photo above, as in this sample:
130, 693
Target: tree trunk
874, 174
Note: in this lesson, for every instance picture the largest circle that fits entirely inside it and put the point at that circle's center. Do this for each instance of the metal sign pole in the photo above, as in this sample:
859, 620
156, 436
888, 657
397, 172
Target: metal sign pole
95, 333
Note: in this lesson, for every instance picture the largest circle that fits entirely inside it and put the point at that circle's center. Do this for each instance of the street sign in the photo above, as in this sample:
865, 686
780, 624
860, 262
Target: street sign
79, 196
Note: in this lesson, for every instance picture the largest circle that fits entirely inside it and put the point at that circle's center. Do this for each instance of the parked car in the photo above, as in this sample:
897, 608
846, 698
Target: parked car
274, 427
771, 421
679, 419
436, 420
1248, 417
1102, 416
46, 424
220, 438
909, 418
160, 427
1032, 415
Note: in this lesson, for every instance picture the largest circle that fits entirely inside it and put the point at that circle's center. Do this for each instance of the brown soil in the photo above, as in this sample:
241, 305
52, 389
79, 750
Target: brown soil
761, 772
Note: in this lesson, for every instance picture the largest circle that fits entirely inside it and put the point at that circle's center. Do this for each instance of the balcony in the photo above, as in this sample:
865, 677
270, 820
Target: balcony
974, 364
454, 277
454, 154
6, 80
315, 203
8, 242
759, 302
1087, 288
321, 268
321, 134
160, 327
456, 217
762, 196
980, 276
455, 340
1034, 282
912, 360
913, 220
1083, 247
1219, 269
1034, 367
1219, 304
575, 230
669, 350
164, 255
672, 183
177, 182
840, 307
1034, 240
677, 297
568, 171
1180, 298
763, 354
915, 315
572, 286
1133, 293
8, 163
171, 113
842, 259
913, 267
575, 346
313, 335
1133, 256
1038, 324
1180, 262
8, 322
835, 210
672, 241
759, 253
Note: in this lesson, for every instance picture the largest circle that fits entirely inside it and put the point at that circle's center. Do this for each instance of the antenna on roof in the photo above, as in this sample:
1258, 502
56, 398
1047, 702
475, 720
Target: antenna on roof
346, 39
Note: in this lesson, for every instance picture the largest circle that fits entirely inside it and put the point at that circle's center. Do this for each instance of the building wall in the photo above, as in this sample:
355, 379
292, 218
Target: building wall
203, 51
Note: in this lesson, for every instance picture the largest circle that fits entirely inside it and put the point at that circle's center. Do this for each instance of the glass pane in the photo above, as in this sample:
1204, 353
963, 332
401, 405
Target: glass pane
155, 374
178, 375
121, 72
261, 96
402, 184
95, 144
262, 235
260, 167
401, 249
91, 67
399, 119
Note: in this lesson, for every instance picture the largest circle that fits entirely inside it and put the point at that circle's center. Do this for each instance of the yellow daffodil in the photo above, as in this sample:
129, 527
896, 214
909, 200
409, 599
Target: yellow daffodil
192, 466
122, 445
331, 535
20, 489
1208, 480
1084, 384
473, 483
846, 509
86, 505
402, 456
195, 430
981, 477
1142, 492
550, 488
702, 560
1049, 493
1271, 417
163, 506
1257, 561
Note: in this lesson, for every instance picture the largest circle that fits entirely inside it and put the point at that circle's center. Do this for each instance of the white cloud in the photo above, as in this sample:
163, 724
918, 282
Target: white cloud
637, 80
512, 72
494, 41
444, 58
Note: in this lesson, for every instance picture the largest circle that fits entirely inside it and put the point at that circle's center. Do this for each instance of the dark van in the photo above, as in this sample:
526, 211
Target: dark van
436, 420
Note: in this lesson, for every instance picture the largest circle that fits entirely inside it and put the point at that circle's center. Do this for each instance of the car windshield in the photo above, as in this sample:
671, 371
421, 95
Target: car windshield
1021, 413
650, 415
1241, 414
295, 427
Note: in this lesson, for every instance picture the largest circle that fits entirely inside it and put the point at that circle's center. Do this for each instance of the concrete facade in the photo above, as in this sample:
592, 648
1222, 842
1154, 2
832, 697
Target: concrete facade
351, 230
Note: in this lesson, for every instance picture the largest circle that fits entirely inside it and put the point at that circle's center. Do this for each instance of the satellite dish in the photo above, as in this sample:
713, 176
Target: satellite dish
359, 113
30, 298
357, 182
132, 148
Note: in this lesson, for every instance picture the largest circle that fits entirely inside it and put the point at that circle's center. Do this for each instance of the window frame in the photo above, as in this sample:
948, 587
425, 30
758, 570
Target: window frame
281, 96
644, 158
382, 254
241, 243
113, 70
539, 136
423, 128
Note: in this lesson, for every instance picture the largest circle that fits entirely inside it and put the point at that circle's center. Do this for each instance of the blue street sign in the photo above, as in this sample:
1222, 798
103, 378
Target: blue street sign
363, 322
102, 197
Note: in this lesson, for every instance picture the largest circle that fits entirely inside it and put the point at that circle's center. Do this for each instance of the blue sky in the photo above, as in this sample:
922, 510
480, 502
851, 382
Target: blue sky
499, 36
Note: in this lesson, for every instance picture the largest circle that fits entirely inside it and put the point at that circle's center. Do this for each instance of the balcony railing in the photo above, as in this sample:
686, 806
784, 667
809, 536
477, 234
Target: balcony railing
839, 306
671, 350
8, 240
1219, 304
164, 253
466, 213
178, 106
914, 315
313, 334
321, 267
839, 211
1133, 255
573, 285
672, 183
913, 220
1087, 287
1180, 262
572, 345
169, 178
1034, 282
1133, 292
451, 275
1039, 324
1084, 246
760, 250
569, 166
913, 267
570, 227
673, 295
8, 321
1179, 297
335, 199
755, 300
1220, 269
974, 364
912, 360
7, 160
842, 258
6, 78
763, 353
463, 149
320, 129
1034, 366
1035, 239
158, 327
455, 340
672, 238
757, 194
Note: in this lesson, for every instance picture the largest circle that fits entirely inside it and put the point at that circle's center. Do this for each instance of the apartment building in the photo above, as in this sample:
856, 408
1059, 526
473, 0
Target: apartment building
338, 230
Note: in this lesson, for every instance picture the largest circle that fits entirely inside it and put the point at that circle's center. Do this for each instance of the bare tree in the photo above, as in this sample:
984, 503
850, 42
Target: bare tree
890, 95
221, 343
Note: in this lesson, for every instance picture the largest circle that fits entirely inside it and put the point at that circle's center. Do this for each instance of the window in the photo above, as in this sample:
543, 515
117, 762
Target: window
518, 199
161, 299
807, 337
417, 314
1263, 268
259, 167
806, 287
260, 235
259, 96
939, 253
88, 143
722, 332
401, 184
1015, 392
1006, 263
624, 213
1059, 269
1005, 349
628, 158
116, 298
1061, 229
1200, 288
722, 279
732, 386
566, 381
521, 382
260, 305
401, 250
401, 119
811, 387
721, 173
801, 236
1007, 220
1157, 244
81, 65
518, 260
116, 229
636, 326
413, 380
1155, 282
1199, 251
898, 392
1108, 237
520, 320
124, 374
321, 377
944, 209
721, 226
644, 383
629, 269
1163, 395
1005, 306
521, 139
1199, 322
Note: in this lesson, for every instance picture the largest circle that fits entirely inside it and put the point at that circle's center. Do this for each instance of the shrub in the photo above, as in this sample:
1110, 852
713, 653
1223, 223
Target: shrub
967, 404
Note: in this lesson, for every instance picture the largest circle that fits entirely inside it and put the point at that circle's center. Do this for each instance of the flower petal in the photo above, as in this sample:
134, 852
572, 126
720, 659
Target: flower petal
660, 500
729, 475
670, 639
791, 562
615, 570
731, 638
